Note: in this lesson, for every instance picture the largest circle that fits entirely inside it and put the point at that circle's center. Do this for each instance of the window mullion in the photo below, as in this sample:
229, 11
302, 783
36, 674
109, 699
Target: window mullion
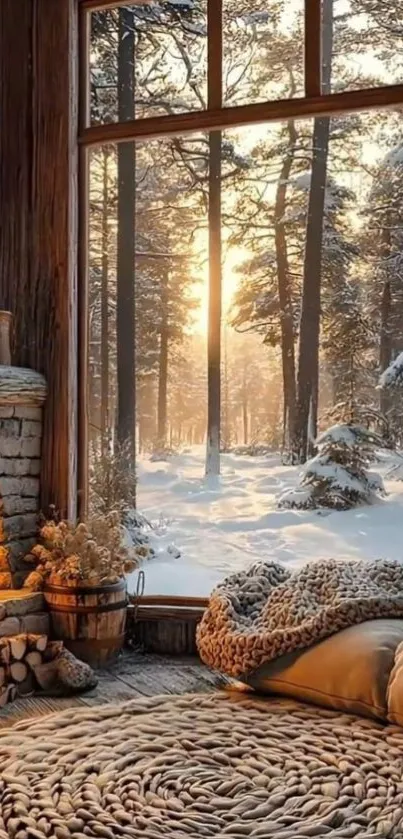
313, 48
84, 68
235, 117
100, 5
214, 54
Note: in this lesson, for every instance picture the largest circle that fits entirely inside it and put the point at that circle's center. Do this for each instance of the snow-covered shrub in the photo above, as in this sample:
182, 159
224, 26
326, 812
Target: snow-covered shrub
112, 484
113, 487
349, 413
161, 455
337, 477
391, 383
393, 375
253, 450
162, 452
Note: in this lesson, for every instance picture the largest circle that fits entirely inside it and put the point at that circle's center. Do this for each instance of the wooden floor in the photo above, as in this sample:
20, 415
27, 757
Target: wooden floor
133, 675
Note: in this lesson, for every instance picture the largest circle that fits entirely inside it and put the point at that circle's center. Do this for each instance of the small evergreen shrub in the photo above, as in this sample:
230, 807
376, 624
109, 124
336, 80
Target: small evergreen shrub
337, 477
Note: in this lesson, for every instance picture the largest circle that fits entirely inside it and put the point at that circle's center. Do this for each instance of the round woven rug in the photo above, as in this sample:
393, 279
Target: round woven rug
219, 765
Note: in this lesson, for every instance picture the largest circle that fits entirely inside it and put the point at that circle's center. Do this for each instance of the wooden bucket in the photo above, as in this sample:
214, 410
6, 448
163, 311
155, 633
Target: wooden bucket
91, 620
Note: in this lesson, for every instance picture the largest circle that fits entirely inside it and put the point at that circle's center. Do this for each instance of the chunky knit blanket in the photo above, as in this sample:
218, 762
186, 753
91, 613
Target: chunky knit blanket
266, 612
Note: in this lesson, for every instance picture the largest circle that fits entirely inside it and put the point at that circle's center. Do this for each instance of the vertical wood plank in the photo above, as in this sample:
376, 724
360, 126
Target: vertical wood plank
53, 243
83, 398
313, 47
15, 144
84, 19
84, 44
38, 133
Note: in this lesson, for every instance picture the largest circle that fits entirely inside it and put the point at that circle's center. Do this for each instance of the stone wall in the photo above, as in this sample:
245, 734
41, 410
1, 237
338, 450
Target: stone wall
22, 393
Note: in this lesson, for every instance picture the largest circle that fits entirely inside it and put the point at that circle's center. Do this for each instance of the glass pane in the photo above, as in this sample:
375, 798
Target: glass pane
365, 38
148, 60
263, 52
306, 220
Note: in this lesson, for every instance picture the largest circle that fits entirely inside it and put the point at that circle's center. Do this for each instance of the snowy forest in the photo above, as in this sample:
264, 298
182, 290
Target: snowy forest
249, 282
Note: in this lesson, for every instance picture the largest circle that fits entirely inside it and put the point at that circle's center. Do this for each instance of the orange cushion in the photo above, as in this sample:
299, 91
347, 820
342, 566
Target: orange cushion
349, 671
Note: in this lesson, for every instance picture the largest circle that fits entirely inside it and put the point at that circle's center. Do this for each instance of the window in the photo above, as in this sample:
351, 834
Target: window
241, 289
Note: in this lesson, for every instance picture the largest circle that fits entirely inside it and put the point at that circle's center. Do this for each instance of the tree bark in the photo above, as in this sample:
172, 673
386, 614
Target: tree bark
214, 310
284, 290
226, 435
308, 359
245, 419
385, 347
126, 413
163, 364
105, 306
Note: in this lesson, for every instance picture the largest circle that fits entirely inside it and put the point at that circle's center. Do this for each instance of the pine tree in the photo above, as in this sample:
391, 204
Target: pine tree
337, 477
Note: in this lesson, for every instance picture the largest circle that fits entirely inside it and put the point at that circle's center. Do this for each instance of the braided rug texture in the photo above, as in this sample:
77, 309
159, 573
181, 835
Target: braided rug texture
266, 611
221, 765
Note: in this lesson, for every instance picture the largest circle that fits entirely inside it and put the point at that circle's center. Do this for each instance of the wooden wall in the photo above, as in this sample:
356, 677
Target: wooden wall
38, 217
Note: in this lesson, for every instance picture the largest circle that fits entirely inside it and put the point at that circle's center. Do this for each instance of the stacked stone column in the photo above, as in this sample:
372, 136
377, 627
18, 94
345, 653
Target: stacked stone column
22, 396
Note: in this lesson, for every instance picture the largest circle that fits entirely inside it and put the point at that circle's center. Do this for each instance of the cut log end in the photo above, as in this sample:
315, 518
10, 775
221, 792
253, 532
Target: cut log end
33, 659
18, 671
18, 647
37, 642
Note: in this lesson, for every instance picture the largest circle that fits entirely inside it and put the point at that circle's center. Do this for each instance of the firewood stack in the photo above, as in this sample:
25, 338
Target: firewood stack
6, 577
28, 664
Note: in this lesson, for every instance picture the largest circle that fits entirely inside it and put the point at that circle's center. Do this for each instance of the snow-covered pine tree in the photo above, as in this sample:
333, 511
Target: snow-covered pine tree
338, 477
391, 380
393, 375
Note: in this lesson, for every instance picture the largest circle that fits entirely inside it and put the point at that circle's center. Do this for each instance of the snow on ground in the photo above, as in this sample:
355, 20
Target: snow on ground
223, 525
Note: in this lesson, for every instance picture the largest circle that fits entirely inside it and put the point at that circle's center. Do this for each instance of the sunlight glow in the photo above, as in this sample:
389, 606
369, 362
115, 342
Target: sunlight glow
231, 278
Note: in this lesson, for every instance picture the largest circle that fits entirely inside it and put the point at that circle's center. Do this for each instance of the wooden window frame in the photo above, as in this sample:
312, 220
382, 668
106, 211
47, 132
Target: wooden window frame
214, 118
217, 117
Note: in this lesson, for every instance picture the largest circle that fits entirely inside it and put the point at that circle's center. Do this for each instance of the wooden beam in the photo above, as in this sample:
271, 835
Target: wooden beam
99, 5
84, 46
83, 221
177, 601
38, 139
214, 99
214, 53
336, 103
15, 177
168, 613
82, 354
313, 47
54, 239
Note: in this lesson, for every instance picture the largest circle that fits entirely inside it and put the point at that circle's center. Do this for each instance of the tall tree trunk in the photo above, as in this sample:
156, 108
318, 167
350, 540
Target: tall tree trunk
226, 441
145, 412
245, 418
385, 347
339, 376
163, 364
308, 360
385, 350
284, 290
105, 307
126, 415
214, 309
